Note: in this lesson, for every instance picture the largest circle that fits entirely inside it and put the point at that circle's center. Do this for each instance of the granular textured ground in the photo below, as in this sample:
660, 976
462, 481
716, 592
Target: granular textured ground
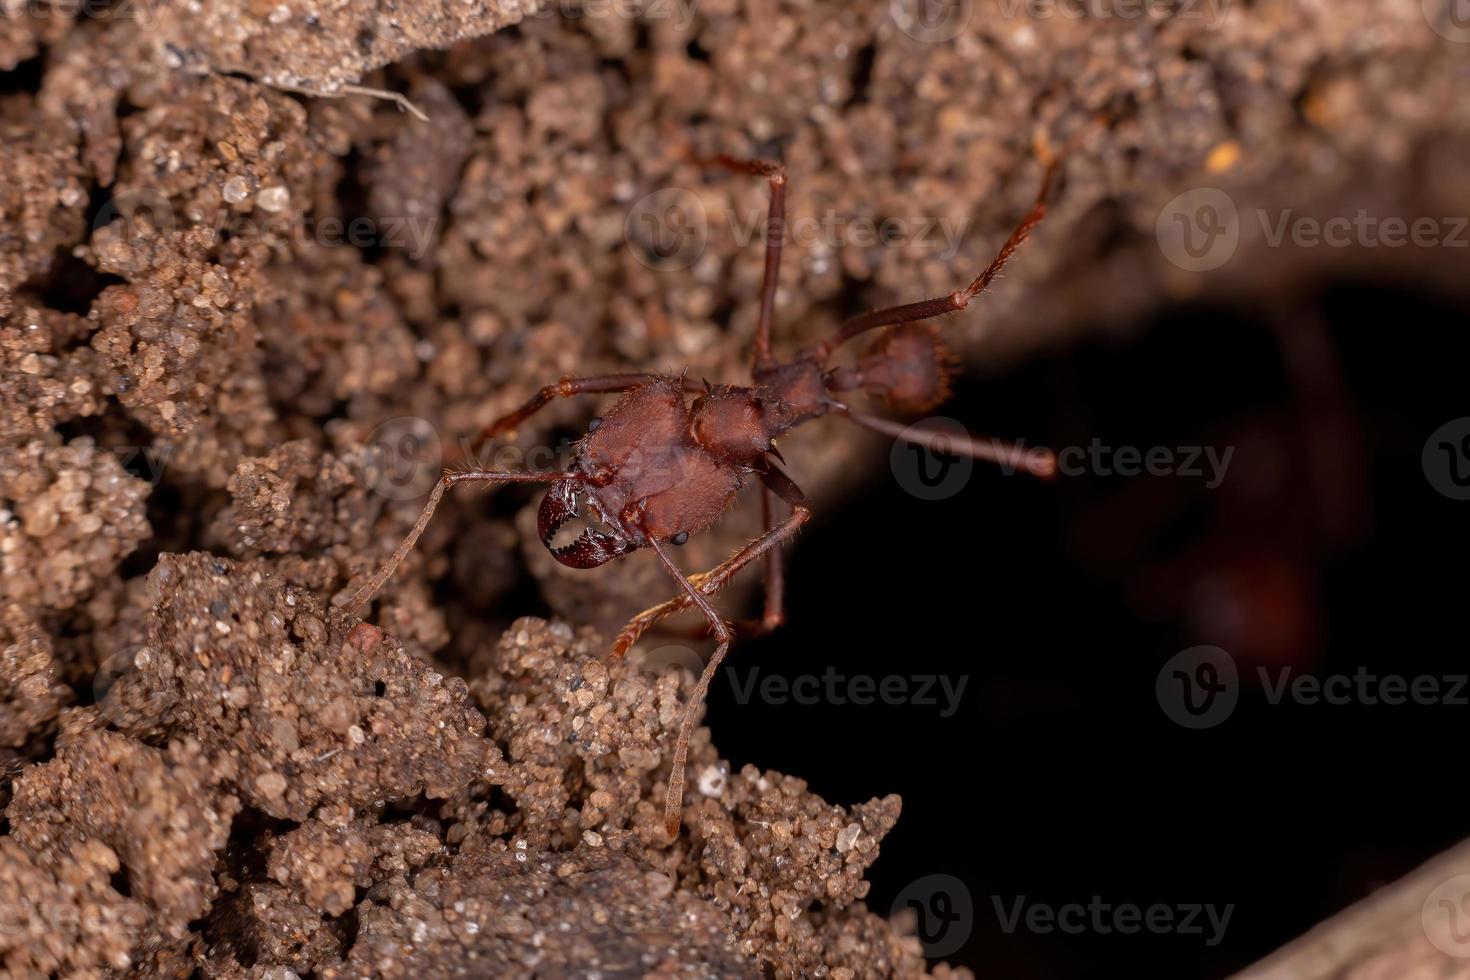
249, 304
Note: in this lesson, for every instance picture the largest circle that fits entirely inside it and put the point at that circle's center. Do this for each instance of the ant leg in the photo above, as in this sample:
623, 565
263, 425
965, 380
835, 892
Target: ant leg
565, 388
697, 596
674, 800
1037, 461
712, 581
450, 478
601, 384
775, 174
775, 611
955, 301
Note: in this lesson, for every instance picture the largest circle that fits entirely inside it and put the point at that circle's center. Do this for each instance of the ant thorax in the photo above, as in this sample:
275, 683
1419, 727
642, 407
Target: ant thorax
730, 423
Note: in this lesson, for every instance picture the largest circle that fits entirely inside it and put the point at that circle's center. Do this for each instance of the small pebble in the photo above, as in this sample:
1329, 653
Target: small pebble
237, 189
274, 199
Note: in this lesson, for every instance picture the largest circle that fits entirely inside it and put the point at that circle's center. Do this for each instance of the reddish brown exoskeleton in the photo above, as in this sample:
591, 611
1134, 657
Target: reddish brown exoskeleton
656, 468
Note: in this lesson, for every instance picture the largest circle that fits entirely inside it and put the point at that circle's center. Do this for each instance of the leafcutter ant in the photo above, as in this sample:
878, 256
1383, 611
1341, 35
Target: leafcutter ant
658, 467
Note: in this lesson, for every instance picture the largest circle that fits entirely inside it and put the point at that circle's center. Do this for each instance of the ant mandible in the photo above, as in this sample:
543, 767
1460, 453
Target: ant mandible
654, 469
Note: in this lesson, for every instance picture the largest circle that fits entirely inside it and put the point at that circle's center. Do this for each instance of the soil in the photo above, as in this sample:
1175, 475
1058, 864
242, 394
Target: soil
238, 292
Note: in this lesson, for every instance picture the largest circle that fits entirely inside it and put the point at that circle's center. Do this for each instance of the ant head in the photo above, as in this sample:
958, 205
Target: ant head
909, 368
603, 539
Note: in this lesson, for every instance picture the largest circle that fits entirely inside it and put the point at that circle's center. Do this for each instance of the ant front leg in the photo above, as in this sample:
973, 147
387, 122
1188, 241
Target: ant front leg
715, 579
674, 800
773, 615
450, 478
565, 388
696, 595
602, 384
960, 298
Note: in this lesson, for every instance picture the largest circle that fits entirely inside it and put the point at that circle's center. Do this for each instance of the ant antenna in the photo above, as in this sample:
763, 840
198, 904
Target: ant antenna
1037, 461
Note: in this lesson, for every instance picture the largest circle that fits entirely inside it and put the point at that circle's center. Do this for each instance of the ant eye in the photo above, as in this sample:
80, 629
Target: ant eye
679, 538
592, 426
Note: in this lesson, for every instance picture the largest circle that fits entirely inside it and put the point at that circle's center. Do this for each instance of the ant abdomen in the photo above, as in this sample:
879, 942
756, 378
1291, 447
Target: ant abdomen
909, 368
